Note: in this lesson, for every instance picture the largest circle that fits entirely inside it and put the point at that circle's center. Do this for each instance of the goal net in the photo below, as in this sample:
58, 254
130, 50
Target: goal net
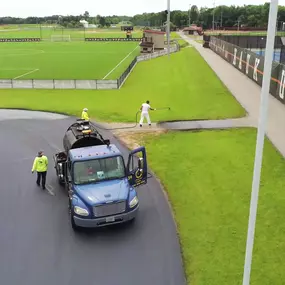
60, 38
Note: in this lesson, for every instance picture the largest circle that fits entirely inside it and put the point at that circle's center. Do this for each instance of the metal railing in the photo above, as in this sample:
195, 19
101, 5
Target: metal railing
57, 84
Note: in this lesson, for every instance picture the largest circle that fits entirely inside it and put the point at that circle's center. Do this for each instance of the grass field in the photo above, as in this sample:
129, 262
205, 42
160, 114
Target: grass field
185, 83
75, 34
207, 176
66, 60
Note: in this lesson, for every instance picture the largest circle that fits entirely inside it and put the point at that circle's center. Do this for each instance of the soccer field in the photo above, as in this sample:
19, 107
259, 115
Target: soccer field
66, 60
75, 34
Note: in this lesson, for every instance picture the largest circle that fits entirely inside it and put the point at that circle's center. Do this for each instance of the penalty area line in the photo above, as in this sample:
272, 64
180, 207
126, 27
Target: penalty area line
120, 63
22, 75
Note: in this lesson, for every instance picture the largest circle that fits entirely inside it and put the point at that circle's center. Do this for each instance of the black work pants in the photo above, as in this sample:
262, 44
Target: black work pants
42, 176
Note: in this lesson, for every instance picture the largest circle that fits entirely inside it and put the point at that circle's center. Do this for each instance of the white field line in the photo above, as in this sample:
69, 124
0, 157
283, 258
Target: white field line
26, 73
120, 63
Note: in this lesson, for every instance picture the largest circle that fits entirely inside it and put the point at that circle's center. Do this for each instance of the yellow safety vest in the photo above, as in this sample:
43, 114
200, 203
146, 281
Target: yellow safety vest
84, 116
40, 164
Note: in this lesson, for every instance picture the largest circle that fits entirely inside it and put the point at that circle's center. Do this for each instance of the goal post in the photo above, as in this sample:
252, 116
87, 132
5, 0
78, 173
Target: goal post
60, 38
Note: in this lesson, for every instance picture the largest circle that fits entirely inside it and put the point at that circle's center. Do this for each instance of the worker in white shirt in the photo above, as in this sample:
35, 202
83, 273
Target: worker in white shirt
144, 113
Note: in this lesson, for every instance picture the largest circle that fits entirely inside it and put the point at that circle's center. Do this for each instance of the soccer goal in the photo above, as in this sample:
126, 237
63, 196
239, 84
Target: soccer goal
60, 38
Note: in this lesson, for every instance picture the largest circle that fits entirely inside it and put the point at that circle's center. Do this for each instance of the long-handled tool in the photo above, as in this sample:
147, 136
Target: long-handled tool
164, 108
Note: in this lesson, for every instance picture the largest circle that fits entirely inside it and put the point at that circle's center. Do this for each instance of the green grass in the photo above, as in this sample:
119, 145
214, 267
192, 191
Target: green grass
75, 33
181, 42
185, 83
207, 176
65, 60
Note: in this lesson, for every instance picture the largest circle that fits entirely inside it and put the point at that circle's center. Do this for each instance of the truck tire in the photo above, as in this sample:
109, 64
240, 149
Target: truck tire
61, 183
73, 225
131, 222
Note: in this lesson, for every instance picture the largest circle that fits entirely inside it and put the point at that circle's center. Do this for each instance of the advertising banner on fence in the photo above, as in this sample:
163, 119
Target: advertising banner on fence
20, 40
251, 65
113, 39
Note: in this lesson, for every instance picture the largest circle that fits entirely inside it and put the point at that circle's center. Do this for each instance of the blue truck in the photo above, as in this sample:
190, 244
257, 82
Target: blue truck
101, 188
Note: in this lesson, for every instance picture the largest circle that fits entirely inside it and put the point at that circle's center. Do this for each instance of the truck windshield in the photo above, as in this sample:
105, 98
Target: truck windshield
96, 170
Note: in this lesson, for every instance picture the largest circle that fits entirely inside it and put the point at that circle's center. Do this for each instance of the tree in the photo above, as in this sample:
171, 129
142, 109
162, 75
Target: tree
194, 14
102, 21
86, 15
226, 16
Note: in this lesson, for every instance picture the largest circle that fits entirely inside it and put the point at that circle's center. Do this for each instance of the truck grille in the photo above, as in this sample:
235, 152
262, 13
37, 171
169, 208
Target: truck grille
109, 209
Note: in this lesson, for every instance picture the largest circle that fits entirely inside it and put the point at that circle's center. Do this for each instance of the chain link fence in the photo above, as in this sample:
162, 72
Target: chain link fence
251, 64
256, 43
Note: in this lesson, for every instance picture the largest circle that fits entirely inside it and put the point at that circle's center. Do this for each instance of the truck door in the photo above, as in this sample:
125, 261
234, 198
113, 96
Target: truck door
68, 181
137, 167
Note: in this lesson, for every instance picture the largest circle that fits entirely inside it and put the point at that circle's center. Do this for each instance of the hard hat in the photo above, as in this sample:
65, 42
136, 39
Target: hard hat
85, 109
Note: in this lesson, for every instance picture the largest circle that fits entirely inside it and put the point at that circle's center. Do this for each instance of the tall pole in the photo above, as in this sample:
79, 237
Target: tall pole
214, 15
260, 138
168, 28
189, 15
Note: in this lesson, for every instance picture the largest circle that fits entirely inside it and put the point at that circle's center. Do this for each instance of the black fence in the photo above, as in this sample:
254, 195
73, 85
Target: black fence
113, 39
250, 42
126, 73
251, 64
5, 40
255, 43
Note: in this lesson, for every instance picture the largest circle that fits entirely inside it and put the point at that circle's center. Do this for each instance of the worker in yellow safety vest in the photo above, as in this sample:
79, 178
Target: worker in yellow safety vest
84, 115
40, 165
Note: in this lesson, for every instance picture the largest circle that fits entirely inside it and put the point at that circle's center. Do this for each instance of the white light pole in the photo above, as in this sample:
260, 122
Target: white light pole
168, 28
189, 15
214, 5
260, 137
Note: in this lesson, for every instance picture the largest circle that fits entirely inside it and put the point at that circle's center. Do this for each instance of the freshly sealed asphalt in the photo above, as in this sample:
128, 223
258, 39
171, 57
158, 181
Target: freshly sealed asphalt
37, 244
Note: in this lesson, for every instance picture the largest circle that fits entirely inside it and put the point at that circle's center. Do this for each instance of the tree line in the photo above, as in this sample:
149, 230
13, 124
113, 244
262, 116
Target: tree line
219, 17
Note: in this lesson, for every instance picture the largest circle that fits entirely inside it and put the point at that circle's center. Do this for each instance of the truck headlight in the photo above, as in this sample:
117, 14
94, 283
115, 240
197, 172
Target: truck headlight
134, 202
80, 211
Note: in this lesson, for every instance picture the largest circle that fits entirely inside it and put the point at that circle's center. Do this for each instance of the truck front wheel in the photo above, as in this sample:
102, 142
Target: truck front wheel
73, 225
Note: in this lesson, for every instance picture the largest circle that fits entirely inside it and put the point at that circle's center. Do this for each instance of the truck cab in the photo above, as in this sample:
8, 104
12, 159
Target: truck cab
101, 187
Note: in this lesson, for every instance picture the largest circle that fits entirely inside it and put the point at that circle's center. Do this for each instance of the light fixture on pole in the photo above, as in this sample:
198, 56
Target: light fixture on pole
260, 137
168, 28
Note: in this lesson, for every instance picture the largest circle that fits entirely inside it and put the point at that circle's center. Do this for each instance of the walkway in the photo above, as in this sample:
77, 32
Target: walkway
180, 125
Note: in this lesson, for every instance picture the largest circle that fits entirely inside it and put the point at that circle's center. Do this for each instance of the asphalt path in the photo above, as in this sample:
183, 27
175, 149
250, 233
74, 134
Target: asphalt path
37, 244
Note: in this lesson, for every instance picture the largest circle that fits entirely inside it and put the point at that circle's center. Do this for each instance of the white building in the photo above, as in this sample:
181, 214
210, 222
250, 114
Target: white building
84, 23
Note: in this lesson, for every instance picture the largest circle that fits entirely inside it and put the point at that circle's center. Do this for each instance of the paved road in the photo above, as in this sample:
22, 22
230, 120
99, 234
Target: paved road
37, 244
